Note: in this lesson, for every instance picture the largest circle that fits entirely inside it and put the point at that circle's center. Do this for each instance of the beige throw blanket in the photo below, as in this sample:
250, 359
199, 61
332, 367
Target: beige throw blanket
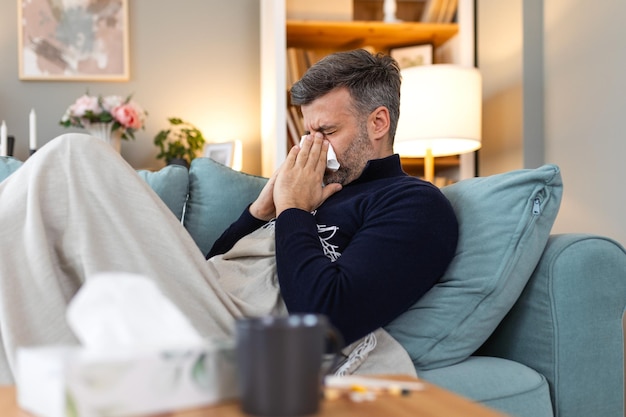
76, 209
248, 274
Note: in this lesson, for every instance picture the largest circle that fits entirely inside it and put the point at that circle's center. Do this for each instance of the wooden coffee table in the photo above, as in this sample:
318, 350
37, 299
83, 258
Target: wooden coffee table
430, 402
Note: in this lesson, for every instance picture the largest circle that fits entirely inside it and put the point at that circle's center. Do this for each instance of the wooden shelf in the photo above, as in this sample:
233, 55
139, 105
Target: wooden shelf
381, 36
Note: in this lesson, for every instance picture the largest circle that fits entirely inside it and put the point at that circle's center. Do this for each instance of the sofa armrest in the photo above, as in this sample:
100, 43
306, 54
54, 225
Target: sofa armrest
567, 325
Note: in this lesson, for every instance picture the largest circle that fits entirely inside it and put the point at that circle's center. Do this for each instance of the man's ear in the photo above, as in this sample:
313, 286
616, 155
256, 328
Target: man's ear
378, 123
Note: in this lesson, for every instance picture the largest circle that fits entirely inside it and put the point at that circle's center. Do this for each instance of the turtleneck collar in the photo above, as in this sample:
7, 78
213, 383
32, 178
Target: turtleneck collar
376, 169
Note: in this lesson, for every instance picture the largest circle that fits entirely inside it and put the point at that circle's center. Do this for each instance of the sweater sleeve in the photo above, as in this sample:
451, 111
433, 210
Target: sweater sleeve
244, 225
402, 248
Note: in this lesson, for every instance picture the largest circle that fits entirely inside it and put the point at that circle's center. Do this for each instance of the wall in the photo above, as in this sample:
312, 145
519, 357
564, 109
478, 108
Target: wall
584, 99
499, 46
194, 59
199, 59
585, 109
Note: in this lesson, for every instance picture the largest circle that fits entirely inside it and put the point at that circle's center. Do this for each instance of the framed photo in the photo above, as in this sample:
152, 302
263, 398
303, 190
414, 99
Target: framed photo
221, 152
73, 40
412, 56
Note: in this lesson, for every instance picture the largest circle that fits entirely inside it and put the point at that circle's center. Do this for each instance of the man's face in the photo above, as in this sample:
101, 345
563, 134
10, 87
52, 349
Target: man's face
334, 116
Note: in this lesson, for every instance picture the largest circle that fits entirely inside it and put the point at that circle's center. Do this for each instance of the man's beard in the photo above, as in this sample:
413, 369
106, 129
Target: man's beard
353, 160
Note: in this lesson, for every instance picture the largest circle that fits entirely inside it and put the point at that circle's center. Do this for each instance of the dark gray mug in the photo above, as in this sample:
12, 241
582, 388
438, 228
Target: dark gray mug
280, 363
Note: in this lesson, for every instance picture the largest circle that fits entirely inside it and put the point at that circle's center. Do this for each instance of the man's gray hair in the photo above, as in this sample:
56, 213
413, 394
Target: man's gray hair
372, 81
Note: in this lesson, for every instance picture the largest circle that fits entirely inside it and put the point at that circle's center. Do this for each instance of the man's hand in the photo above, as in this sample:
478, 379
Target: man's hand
263, 207
298, 182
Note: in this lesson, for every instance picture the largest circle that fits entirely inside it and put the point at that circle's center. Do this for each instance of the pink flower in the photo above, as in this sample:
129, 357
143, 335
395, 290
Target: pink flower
120, 114
128, 115
85, 104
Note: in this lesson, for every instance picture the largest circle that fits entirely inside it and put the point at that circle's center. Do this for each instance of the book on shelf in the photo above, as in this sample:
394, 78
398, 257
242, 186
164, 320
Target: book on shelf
430, 12
298, 62
292, 131
450, 13
298, 119
296, 65
439, 11
292, 67
295, 126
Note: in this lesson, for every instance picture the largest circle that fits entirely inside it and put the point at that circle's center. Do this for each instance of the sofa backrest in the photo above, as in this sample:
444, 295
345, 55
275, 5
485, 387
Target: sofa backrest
217, 197
171, 183
8, 165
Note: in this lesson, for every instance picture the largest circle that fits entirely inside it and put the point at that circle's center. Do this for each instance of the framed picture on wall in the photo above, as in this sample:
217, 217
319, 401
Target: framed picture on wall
221, 152
411, 56
73, 40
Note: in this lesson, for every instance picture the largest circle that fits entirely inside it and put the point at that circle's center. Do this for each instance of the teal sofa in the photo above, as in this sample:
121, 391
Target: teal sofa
523, 321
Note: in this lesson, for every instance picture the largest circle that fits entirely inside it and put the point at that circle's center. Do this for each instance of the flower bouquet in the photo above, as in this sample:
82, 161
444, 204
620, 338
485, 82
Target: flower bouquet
104, 116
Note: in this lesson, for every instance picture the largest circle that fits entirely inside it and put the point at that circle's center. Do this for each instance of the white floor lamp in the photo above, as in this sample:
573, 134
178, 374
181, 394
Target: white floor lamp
440, 113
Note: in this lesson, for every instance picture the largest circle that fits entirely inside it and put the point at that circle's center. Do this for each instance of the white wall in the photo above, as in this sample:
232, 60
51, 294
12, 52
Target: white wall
499, 46
194, 59
584, 101
585, 112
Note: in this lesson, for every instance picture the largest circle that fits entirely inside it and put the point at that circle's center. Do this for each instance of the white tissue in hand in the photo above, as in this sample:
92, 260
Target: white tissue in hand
331, 157
119, 310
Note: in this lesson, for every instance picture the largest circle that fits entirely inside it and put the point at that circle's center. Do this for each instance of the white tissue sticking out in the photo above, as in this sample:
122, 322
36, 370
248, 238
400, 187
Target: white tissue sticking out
120, 310
331, 157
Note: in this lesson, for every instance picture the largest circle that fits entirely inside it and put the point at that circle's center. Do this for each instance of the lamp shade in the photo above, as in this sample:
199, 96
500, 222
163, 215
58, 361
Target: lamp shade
440, 111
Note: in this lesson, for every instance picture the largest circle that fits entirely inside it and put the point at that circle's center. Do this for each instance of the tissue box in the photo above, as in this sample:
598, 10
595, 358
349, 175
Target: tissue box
72, 381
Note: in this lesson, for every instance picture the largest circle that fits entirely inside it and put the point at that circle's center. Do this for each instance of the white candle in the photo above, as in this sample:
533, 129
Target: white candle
3, 140
33, 130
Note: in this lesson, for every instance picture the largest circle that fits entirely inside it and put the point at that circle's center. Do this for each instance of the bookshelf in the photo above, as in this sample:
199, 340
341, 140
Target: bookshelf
377, 35
279, 34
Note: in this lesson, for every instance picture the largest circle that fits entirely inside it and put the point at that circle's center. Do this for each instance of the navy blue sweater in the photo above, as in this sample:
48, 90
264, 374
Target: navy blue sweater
365, 255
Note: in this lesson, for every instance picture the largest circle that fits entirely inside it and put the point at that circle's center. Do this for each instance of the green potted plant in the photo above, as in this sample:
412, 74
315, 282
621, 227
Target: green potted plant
180, 143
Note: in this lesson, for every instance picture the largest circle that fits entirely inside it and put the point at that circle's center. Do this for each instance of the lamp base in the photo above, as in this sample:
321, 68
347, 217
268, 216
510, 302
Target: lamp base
429, 166
448, 166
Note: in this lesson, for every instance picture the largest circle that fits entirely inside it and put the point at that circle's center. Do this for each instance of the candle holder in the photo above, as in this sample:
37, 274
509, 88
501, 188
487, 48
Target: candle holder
10, 145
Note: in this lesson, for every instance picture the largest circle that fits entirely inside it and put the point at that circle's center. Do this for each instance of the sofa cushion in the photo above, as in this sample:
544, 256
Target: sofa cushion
8, 165
504, 224
502, 384
217, 197
171, 183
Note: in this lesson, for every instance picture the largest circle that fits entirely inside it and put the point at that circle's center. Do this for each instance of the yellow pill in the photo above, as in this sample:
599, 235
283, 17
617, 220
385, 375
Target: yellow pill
358, 388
